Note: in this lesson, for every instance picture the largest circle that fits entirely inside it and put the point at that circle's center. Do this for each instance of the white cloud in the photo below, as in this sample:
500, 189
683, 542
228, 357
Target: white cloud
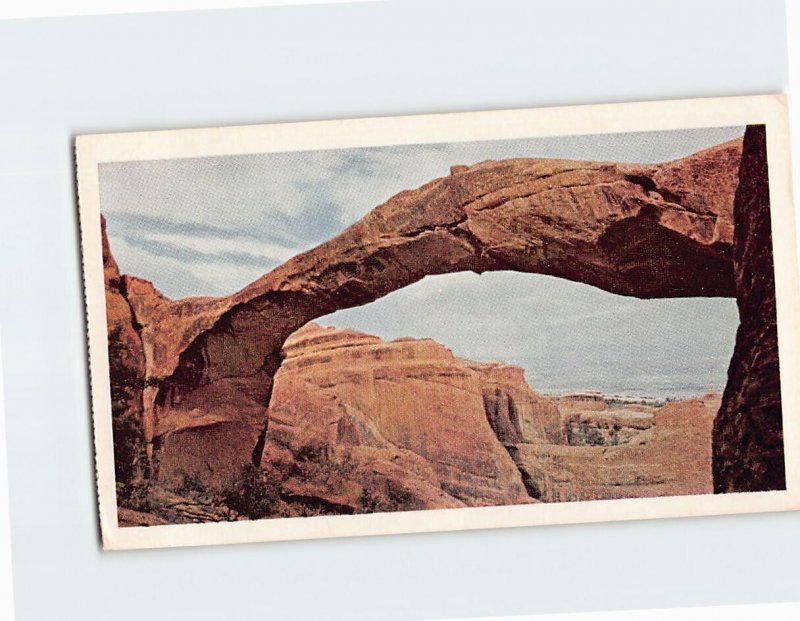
175, 279
212, 246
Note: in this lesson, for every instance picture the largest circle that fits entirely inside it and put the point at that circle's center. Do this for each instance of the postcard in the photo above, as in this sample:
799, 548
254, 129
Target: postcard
442, 322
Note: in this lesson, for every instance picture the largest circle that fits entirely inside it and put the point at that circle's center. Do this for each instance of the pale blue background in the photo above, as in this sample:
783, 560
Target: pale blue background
62, 77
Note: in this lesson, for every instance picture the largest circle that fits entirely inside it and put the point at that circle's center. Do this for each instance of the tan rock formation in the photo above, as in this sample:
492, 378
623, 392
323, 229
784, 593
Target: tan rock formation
399, 424
582, 402
670, 458
515, 412
358, 424
126, 375
609, 429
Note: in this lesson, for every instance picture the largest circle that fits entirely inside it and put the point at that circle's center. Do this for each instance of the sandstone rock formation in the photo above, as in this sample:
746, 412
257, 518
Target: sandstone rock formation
205, 366
586, 401
126, 374
748, 432
666, 454
620, 427
403, 421
515, 412
357, 423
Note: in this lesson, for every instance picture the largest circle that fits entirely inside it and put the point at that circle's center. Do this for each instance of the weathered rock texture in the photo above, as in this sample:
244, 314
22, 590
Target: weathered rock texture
126, 374
667, 454
514, 411
208, 363
620, 427
359, 422
360, 425
748, 432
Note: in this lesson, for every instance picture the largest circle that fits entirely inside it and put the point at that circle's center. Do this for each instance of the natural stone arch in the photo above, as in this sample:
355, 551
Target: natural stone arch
640, 230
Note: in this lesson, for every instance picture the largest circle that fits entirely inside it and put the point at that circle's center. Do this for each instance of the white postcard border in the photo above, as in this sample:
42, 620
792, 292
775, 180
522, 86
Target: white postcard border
426, 129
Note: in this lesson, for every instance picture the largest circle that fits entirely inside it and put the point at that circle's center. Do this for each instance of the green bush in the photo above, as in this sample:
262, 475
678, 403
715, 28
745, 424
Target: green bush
136, 497
192, 483
252, 494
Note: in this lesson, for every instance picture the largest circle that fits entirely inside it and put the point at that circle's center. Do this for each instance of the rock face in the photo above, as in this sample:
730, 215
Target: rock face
202, 369
514, 411
748, 433
589, 429
668, 454
359, 422
126, 374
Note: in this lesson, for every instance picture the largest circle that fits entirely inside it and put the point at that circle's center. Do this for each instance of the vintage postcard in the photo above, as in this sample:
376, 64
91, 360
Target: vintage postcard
442, 322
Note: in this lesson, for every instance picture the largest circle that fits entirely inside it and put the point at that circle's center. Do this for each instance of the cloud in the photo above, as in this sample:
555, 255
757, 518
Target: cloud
175, 279
221, 246
562, 333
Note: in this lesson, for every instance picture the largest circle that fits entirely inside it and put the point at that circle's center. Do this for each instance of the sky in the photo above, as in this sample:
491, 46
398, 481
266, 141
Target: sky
210, 226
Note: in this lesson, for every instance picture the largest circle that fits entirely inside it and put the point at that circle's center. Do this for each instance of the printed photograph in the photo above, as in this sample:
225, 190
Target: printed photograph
441, 326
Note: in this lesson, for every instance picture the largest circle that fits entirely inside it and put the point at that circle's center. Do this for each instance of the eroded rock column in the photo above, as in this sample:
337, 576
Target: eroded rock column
748, 431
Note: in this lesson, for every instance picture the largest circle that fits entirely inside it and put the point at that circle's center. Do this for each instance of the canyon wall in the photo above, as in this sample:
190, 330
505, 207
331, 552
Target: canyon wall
126, 375
357, 423
402, 421
663, 451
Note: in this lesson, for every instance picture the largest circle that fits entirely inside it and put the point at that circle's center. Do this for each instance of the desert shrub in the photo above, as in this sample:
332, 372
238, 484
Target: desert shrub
252, 494
192, 483
136, 497
311, 452
371, 500
128, 444
402, 498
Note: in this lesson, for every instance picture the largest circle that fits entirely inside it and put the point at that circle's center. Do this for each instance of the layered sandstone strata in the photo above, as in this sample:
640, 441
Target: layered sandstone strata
406, 425
403, 419
358, 424
668, 455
